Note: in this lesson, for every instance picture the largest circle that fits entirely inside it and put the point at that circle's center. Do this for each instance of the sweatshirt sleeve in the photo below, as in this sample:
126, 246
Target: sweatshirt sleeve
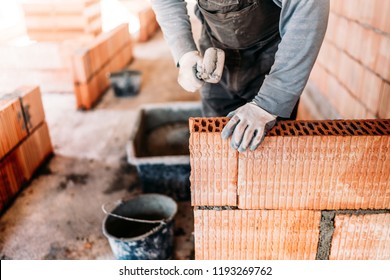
173, 18
302, 28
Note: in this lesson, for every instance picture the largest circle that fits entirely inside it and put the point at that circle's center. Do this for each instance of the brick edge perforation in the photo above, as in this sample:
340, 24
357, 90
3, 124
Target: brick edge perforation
305, 128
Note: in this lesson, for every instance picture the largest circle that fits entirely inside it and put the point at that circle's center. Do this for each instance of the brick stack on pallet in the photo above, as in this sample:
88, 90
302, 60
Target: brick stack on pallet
275, 202
25, 141
48, 20
352, 72
109, 52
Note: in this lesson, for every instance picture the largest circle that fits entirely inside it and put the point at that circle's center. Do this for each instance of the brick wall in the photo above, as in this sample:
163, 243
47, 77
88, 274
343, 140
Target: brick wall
312, 190
352, 72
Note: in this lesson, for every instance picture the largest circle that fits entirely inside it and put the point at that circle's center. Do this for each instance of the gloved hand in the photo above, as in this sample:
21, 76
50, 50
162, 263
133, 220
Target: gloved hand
248, 126
187, 71
195, 70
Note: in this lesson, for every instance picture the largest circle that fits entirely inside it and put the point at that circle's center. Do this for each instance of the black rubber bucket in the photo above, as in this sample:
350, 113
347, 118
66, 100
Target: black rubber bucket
142, 228
125, 83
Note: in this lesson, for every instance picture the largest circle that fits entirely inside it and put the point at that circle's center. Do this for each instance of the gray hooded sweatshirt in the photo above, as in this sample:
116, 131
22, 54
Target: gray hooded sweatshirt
302, 29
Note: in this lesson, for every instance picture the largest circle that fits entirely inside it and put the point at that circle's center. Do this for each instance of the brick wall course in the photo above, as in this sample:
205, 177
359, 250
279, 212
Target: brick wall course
256, 234
361, 237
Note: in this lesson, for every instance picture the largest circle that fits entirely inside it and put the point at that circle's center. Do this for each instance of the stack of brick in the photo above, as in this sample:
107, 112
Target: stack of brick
142, 11
25, 141
48, 20
107, 53
279, 201
353, 68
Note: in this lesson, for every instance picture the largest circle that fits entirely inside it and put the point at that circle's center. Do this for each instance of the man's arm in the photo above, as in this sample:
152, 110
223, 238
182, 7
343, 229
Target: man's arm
302, 28
174, 21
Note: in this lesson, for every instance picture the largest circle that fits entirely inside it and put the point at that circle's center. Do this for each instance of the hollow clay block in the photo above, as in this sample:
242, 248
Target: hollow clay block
361, 237
213, 164
256, 234
12, 126
35, 150
31, 100
306, 165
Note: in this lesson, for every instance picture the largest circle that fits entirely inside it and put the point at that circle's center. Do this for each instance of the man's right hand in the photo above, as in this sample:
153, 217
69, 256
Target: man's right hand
195, 70
188, 64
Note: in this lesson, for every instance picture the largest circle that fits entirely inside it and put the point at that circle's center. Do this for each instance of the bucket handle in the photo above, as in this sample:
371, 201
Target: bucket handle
163, 222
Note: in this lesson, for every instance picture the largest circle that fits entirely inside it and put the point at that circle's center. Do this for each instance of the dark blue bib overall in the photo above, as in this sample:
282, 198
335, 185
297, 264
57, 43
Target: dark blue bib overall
248, 32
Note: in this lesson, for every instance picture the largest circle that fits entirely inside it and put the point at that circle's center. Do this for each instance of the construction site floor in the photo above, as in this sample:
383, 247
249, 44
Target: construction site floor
58, 215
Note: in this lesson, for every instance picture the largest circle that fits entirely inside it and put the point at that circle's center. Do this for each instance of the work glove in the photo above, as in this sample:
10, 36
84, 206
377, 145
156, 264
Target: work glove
195, 70
187, 71
248, 126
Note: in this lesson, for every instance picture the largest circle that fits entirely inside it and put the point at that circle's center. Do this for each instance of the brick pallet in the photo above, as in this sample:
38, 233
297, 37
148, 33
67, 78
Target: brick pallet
25, 141
62, 20
301, 167
109, 52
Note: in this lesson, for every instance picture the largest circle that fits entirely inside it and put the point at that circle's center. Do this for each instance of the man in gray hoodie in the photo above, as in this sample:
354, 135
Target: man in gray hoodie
270, 48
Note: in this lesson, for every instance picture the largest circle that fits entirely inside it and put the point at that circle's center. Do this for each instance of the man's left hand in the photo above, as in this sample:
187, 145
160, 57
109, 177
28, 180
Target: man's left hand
248, 126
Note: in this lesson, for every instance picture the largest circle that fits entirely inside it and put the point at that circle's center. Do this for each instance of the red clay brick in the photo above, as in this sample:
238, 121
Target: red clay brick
62, 20
317, 172
12, 125
363, 237
384, 107
371, 89
213, 164
256, 234
383, 58
331, 165
31, 100
18, 167
35, 150
109, 52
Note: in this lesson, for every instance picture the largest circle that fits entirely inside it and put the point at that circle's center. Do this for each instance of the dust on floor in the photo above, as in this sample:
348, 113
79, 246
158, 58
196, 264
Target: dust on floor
59, 216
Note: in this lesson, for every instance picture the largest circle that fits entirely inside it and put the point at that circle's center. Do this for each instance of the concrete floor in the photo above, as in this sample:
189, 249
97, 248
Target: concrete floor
59, 216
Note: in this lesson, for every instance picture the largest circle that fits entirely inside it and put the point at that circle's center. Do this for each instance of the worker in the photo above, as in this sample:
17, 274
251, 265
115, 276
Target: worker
270, 48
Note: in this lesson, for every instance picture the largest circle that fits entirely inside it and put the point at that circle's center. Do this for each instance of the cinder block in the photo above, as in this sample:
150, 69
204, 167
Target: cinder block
256, 234
213, 164
361, 237
12, 125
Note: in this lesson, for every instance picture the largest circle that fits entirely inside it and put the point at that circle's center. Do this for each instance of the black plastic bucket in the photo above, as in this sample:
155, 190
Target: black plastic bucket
148, 235
125, 83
